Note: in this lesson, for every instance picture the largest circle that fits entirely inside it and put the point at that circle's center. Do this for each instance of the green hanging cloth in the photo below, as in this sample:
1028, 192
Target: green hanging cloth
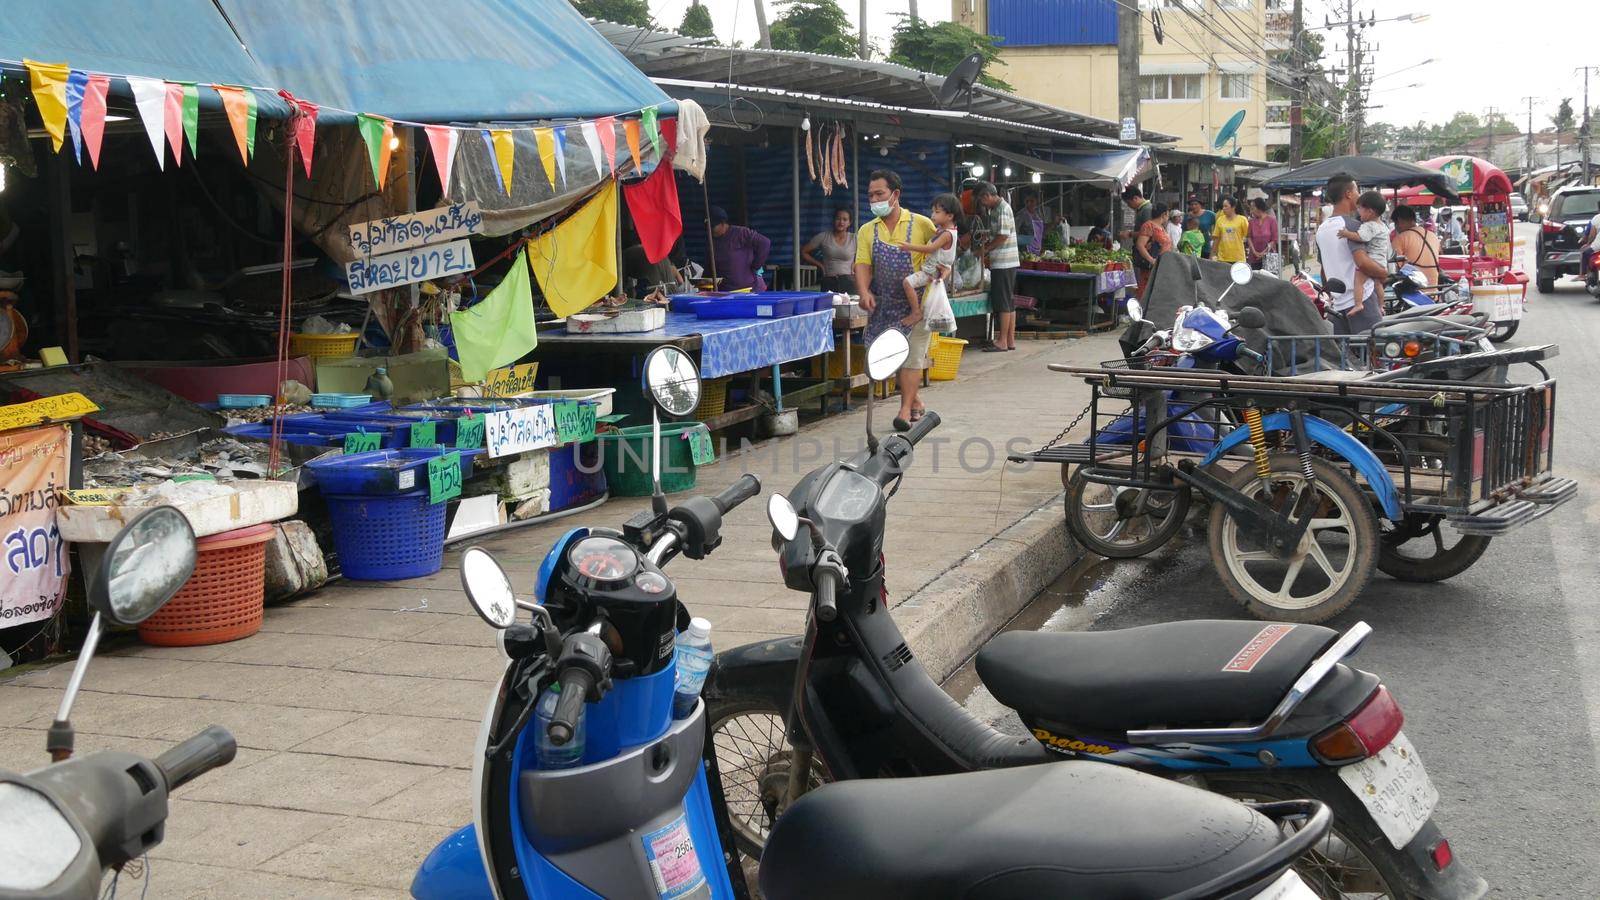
499, 330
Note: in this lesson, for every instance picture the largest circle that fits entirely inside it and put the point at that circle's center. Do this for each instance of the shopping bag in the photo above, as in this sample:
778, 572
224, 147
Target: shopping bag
1272, 261
936, 309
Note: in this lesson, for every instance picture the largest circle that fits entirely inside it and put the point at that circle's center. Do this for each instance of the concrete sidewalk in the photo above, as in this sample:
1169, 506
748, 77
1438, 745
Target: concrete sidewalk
356, 708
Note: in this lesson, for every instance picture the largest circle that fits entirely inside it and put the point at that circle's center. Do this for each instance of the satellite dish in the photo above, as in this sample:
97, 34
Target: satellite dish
960, 81
1228, 130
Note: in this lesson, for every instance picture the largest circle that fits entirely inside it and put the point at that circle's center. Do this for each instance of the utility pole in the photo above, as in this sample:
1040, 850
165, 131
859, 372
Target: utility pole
1352, 38
761, 24
1297, 91
912, 5
1583, 130
1128, 23
1530, 101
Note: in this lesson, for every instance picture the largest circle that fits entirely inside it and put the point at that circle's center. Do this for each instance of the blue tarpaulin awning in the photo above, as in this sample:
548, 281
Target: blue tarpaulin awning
411, 60
1122, 165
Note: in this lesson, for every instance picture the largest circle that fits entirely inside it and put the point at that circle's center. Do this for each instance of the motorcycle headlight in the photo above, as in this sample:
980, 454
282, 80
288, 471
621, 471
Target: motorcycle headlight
1392, 349
1189, 340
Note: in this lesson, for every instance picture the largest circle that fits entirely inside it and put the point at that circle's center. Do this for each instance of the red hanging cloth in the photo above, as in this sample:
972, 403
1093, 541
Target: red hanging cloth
653, 203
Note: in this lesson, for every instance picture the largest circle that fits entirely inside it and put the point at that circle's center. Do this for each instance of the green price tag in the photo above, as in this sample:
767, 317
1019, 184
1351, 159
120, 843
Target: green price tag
422, 434
700, 449
469, 431
574, 420
198, 476
444, 477
362, 442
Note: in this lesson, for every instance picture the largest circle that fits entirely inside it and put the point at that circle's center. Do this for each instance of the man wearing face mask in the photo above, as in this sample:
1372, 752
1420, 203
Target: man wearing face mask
882, 264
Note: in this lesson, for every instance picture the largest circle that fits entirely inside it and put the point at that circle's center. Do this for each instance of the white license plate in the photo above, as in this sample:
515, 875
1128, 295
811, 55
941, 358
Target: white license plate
1395, 789
1287, 887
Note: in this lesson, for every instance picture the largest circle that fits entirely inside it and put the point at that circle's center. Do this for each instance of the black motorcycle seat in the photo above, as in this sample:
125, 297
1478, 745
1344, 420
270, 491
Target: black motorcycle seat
1202, 673
1067, 829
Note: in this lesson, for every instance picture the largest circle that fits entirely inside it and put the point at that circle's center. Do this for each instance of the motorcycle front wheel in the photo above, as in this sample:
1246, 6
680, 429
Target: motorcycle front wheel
1123, 522
755, 758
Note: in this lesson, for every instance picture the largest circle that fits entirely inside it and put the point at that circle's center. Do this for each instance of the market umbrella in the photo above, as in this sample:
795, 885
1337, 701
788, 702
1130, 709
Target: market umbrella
1368, 171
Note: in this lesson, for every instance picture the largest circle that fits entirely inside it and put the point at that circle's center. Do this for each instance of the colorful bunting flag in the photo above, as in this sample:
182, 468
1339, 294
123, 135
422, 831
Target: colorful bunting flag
630, 129
499, 329
172, 121
499, 179
76, 82
240, 105
591, 141
545, 139
93, 118
561, 153
377, 132
606, 127
305, 126
49, 81
443, 140
505, 154
576, 261
150, 98
191, 117
669, 133
652, 128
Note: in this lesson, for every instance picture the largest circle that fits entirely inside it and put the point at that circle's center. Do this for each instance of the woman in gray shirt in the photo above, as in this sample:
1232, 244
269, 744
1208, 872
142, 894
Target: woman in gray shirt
834, 253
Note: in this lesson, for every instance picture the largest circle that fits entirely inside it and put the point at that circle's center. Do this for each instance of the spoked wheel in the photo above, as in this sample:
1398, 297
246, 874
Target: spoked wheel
754, 758
1333, 561
1123, 522
1426, 548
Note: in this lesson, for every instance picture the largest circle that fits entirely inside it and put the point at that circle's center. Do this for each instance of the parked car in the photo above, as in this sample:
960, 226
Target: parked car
1561, 234
1519, 207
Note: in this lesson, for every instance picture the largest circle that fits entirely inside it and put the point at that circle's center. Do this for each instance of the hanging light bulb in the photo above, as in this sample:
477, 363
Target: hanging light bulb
1008, 171
977, 170
394, 143
922, 156
1037, 178
883, 151
805, 124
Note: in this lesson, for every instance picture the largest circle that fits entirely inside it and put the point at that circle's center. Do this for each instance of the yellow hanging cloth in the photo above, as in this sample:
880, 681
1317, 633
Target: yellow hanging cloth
576, 262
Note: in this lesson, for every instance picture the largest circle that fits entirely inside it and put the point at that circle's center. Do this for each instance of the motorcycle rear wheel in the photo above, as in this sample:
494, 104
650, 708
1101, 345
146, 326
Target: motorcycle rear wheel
1405, 553
1123, 522
1502, 331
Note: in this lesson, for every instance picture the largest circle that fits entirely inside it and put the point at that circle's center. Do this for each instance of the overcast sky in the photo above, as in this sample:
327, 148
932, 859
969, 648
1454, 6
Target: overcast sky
1487, 52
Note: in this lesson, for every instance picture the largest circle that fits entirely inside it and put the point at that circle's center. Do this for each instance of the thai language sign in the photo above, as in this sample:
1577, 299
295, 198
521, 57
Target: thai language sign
375, 273
433, 226
47, 409
33, 560
515, 430
511, 380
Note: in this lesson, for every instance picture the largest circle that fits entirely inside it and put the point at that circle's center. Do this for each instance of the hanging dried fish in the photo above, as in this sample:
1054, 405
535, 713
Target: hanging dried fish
838, 149
811, 156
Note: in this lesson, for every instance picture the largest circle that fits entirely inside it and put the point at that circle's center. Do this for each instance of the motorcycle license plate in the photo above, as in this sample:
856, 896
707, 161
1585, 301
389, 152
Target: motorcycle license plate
1395, 788
1287, 887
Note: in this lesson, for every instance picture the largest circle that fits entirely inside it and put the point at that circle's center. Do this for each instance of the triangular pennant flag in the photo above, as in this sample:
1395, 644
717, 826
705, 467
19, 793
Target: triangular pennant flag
93, 119
49, 81
545, 138
150, 98
191, 117
239, 104
376, 131
172, 121
606, 127
669, 133
561, 154
652, 130
499, 179
305, 127
630, 129
76, 82
443, 140
505, 154
591, 140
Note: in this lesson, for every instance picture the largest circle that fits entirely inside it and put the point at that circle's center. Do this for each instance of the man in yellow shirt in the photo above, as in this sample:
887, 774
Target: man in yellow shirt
1228, 235
882, 264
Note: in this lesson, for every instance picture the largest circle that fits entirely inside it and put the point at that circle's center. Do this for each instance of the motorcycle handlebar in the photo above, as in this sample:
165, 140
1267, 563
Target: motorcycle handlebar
746, 487
827, 583
196, 756
575, 684
920, 429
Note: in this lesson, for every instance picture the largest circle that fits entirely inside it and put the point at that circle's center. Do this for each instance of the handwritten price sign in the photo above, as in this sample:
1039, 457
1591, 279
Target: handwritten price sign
515, 430
700, 449
510, 381
424, 434
574, 421
362, 442
444, 477
373, 273
469, 432
447, 223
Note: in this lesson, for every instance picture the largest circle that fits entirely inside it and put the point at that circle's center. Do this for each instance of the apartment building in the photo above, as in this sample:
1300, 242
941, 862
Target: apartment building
1214, 58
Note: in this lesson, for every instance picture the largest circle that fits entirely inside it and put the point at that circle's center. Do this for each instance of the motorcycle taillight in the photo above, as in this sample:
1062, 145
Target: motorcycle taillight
1371, 729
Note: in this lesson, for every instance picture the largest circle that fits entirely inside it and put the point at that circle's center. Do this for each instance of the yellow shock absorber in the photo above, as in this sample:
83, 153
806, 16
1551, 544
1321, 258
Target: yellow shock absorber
1258, 441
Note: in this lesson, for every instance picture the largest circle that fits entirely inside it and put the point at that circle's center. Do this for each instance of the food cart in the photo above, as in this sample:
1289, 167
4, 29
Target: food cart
1498, 287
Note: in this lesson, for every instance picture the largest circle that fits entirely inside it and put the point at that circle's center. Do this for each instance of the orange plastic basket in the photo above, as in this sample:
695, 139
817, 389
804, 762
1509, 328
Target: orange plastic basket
224, 598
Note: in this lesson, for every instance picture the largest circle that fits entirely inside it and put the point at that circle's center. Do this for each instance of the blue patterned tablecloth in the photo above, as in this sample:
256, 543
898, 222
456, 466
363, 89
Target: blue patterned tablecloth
729, 346
1120, 278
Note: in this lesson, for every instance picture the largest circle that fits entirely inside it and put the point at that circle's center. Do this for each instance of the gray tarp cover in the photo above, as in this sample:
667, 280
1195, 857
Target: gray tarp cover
1288, 311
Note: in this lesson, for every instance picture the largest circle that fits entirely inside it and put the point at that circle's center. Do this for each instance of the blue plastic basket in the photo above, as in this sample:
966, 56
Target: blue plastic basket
242, 401
382, 471
757, 306
340, 401
387, 538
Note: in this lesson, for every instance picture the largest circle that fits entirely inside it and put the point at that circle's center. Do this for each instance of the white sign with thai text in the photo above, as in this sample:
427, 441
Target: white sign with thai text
515, 430
394, 269
433, 226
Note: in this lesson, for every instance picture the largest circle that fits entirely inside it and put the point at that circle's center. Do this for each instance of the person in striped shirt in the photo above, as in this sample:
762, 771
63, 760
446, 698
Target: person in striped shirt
1004, 260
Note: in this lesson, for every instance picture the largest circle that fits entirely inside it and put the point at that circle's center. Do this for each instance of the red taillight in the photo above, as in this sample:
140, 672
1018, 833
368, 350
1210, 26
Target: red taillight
1371, 729
1552, 227
1442, 857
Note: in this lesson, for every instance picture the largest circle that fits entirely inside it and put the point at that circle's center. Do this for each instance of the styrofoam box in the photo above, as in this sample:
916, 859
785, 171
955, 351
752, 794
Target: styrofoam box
625, 322
249, 503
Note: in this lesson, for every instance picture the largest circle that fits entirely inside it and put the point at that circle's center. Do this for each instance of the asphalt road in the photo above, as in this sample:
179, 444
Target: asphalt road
1497, 669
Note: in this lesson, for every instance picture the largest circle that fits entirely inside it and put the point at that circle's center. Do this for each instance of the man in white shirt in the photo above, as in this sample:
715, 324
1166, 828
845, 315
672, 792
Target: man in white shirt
1350, 315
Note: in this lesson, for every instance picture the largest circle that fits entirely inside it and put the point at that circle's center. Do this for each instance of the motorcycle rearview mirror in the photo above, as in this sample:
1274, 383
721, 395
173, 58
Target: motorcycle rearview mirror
488, 588
673, 384
782, 515
1135, 311
885, 355
1240, 273
148, 562
1334, 286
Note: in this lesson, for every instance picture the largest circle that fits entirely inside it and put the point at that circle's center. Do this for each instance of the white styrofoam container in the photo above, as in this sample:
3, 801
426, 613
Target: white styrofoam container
625, 322
248, 503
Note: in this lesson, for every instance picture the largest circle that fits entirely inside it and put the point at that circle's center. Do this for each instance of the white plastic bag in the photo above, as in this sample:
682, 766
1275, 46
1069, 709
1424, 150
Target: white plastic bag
936, 309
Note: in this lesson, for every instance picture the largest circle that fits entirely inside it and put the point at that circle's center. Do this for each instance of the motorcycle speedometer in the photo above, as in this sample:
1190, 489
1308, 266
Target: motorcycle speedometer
604, 563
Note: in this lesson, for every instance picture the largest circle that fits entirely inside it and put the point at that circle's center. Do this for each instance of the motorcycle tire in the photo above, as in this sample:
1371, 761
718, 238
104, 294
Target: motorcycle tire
753, 754
1336, 493
1446, 562
1327, 869
1172, 507
1502, 331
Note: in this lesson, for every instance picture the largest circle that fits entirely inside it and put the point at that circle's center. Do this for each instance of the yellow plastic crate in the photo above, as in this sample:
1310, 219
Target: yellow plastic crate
323, 346
946, 355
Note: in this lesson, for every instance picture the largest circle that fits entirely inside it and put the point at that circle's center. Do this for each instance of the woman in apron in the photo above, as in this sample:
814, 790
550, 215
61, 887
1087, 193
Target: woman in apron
891, 264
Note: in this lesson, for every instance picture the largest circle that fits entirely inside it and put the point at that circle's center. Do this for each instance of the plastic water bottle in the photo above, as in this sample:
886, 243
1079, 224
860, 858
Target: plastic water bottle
551, 755
379, 385
694, 661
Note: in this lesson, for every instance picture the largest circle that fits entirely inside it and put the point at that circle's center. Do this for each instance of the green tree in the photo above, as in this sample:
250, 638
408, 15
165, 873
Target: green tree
938, 46
623, 12
1564, 120
697, 23
814, 26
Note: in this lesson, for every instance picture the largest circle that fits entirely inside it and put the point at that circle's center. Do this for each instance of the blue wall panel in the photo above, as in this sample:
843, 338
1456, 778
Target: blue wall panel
1033, 23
